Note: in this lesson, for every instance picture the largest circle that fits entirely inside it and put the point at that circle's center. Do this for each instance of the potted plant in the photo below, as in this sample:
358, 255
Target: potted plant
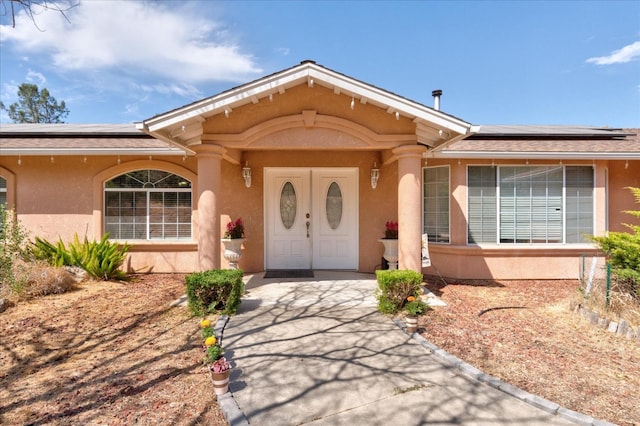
390, 242
218, 366
233, 239
413, 307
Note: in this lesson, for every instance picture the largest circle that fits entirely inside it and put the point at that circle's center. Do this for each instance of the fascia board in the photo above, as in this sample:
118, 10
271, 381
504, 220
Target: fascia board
241, 95
390, 101
271, 84
535, 155
97, 151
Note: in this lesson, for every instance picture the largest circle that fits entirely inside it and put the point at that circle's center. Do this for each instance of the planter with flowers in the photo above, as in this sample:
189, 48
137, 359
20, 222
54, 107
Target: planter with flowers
233, 240
218, 366
413, 308
390, 242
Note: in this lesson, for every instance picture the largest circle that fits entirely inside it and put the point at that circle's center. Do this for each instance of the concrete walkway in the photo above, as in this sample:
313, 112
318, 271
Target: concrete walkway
315, 351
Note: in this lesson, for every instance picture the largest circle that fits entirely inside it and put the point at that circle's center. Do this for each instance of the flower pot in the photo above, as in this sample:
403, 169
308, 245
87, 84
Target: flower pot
412, 324
390, 251
233, 250
220, 381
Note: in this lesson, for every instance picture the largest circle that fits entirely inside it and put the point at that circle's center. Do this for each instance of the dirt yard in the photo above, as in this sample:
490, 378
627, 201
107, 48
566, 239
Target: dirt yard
115, 354
524, 333
107, 353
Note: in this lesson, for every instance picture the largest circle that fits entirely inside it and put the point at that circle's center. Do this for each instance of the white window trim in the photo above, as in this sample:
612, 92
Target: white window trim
148, 191
546, 246
448, 167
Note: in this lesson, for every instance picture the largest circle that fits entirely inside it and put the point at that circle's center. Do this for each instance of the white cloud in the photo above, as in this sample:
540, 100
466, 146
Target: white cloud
35, 77
626, 54
170, 40
184, 90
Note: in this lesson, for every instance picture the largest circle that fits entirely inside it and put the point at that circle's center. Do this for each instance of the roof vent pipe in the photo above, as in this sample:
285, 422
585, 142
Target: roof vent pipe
436, 99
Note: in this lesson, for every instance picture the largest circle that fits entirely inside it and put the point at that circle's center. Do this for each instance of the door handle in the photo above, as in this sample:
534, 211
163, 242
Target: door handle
308, 224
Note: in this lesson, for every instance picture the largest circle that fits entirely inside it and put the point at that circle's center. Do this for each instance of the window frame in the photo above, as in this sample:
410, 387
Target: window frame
3, 190
148, 191
563, 202
424, 204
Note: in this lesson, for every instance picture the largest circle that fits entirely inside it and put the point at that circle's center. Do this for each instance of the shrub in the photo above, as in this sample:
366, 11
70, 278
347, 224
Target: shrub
44, 280
216, 290
101, 259
13, 243
394, 287
623, 253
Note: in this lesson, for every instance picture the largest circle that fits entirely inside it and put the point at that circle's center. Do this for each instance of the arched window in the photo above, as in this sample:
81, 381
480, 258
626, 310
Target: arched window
148, 205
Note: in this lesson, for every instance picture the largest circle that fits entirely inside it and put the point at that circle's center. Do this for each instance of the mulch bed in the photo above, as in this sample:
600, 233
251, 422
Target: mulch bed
107, 353
115, 354
524, 333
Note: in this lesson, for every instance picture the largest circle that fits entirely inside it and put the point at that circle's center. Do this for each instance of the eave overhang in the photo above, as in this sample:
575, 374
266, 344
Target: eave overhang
88, 152
538, 155
183, 126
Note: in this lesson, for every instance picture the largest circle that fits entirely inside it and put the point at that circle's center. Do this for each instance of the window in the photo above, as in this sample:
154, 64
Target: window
3, 190
436, 203
531, 205
148, 205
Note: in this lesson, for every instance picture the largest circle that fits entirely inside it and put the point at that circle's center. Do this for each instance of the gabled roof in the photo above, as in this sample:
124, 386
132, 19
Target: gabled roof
80, 139
185, 123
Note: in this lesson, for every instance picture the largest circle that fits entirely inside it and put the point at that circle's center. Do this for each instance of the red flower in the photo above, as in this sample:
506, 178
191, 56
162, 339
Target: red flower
391, 229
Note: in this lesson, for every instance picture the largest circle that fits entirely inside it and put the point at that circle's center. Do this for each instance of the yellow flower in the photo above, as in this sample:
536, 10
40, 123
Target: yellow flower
210, 341
205, 323
411, 299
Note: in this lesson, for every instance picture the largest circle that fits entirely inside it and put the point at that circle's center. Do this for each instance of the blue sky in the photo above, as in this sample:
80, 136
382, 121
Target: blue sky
497, 62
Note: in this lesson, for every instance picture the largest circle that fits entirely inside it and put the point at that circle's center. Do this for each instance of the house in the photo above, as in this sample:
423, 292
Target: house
315, 162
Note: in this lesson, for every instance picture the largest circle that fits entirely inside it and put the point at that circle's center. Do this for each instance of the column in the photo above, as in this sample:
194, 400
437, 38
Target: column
209, 159
410, 206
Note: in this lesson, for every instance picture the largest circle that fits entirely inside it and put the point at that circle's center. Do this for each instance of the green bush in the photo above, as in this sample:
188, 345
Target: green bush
623, 252
394, 286
13, 244
216, 290
101, 259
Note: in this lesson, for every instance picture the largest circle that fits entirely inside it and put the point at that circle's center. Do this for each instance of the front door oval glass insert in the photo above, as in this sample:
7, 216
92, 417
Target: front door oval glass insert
288, 205
333, 205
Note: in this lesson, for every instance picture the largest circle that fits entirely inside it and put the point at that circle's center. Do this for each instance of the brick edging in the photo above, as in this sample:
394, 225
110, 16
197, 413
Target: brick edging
619, 328
474, 373
229, 406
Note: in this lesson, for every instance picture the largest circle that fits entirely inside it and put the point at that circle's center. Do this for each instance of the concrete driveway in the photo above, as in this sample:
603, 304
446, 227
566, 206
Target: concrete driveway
315, 351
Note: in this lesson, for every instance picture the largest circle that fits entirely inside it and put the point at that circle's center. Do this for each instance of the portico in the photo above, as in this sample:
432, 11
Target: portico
315, 125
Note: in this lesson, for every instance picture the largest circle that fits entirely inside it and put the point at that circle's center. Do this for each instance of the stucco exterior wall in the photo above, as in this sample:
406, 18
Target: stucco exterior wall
460, 260
300, 98
61, 197
376, 205
622, 174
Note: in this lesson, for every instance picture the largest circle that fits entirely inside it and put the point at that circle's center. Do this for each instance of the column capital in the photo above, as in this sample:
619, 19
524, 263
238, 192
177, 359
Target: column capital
209, 150
405, 151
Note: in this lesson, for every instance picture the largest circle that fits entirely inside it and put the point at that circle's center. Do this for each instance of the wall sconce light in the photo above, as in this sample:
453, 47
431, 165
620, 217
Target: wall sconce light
246, 174
375, 175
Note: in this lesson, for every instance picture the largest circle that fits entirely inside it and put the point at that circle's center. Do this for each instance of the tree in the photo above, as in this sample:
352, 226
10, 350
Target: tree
8, 7
35, 106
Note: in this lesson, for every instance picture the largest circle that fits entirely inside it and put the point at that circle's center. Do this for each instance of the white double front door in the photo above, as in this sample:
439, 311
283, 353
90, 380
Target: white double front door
311, 218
